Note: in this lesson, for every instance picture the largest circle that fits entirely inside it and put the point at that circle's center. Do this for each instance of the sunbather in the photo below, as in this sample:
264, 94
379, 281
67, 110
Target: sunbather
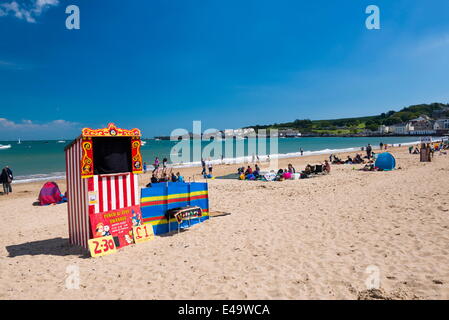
291, 169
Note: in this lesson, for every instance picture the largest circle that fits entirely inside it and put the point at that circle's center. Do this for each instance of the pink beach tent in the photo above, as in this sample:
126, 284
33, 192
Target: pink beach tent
49, 194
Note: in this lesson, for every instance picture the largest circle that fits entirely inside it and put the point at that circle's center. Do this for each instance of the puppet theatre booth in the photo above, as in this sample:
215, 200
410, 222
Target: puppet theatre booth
170, 206
102, 168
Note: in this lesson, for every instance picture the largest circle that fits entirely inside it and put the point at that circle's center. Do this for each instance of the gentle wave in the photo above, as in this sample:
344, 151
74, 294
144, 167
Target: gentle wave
39, 177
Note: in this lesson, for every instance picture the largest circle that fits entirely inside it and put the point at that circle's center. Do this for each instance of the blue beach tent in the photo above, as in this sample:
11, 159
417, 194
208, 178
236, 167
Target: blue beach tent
385, 161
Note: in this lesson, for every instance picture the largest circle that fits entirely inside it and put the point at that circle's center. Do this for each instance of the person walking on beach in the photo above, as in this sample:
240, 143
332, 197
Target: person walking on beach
203, 165
164, 163
368, 151
302, 151
209, 165
6, 178
381, 145
156, 164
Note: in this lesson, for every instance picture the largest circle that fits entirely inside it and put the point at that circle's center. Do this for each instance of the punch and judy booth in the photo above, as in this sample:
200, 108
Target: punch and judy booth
102, 168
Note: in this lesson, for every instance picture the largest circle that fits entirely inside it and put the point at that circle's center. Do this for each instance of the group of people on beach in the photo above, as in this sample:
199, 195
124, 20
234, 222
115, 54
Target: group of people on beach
206, 164
282, 174
165, 175
440, 147
357, 159
6, 178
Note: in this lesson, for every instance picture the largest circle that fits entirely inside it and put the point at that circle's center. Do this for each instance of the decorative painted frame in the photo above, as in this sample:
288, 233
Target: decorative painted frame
136, 155
110, 131
87, 160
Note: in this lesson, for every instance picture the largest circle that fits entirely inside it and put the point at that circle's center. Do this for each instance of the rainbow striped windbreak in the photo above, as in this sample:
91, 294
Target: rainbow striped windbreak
155, 202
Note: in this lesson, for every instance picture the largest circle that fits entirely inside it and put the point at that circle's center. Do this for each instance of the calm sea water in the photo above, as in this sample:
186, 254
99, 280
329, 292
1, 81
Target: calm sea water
39, 160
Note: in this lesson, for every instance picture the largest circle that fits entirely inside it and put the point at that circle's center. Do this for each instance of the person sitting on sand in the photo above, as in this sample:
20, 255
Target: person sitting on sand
154, 179
248, 171
174, 178
179, 177
280, 175
357, 159
164, 178
369, 166
349, 160
256, 171
327, 167
308, 169
291, 169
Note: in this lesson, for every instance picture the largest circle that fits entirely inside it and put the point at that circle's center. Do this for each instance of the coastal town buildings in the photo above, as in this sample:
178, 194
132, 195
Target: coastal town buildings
423, 125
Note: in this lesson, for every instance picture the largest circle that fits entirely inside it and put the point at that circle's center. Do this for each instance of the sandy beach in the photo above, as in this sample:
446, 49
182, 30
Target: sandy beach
314, 238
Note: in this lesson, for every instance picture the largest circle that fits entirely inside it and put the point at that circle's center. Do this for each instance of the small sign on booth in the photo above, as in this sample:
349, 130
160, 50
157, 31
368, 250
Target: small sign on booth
102, 246
143, 233
117, 223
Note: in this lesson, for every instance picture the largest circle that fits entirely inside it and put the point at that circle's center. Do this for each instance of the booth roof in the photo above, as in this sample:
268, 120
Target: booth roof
110, 131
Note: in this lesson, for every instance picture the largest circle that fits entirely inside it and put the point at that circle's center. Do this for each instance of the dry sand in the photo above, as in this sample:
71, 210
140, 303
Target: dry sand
304, 239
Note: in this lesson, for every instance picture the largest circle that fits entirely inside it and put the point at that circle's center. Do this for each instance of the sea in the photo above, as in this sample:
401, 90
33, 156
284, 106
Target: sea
45, 160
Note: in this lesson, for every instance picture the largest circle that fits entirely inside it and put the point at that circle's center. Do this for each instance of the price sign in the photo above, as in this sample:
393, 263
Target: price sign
102, 246
143, 233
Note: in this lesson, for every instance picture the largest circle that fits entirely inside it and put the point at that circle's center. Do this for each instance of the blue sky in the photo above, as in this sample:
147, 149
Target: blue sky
158, 65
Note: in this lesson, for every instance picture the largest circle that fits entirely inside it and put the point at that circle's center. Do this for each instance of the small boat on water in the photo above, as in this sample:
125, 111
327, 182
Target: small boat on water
143, 142
19, 142
61, 141
6, 146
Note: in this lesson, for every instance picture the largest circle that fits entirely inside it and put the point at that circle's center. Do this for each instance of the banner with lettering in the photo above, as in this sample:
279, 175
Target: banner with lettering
117, 223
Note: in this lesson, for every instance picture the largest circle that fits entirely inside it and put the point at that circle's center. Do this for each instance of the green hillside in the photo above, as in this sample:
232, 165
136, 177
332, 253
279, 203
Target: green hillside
355, 125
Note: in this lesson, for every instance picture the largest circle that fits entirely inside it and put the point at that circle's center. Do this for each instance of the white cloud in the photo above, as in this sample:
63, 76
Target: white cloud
28, 129
26, 10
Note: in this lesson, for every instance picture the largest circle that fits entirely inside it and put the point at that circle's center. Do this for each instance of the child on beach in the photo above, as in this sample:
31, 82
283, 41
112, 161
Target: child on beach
156, 164
180, 178
210, 166
327, 167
